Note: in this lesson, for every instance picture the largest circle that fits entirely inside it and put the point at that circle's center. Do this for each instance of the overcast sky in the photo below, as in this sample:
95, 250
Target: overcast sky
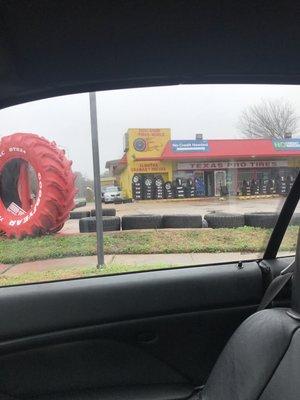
212, 110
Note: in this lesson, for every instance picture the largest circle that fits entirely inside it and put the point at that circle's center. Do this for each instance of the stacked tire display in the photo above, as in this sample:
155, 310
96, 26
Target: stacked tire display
137, 185
279, 186
179, 189
151, 187
148, 192
263, 189
158, 187
289, 184
169, 194
271, 188
190, 189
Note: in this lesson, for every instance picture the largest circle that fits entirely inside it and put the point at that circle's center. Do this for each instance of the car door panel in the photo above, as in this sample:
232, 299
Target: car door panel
39, 308
155, 328
154, 332
174, 349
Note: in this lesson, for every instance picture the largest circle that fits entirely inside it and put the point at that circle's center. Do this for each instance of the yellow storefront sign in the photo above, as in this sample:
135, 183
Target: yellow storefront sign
148, 167
142, 145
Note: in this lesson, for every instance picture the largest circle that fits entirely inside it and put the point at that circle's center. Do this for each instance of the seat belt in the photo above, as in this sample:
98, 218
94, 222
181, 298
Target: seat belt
276, 286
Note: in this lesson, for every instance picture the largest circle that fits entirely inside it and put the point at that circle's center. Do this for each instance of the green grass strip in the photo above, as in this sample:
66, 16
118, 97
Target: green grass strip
246, 239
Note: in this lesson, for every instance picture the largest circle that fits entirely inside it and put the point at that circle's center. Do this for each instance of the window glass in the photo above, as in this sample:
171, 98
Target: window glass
289, 242
190, 175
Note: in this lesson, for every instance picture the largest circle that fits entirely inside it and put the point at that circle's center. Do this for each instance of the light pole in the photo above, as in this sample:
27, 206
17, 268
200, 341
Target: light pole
97, 179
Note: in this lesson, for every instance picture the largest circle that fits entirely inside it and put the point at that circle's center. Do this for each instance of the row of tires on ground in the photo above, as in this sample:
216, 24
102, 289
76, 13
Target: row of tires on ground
106, 212
256, 220
79, 203
212, 220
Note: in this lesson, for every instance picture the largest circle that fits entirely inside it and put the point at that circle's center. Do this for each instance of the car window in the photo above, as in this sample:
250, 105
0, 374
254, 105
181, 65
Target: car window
189, 175
289, 242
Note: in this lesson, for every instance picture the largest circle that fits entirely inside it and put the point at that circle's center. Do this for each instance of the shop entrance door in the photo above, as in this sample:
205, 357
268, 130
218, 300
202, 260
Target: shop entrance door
220, 180
209, 183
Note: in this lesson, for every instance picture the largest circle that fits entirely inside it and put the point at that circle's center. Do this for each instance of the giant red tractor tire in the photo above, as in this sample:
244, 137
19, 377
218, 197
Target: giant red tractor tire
55, 189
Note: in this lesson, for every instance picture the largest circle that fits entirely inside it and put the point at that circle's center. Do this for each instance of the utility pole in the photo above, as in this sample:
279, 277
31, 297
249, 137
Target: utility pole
97, 179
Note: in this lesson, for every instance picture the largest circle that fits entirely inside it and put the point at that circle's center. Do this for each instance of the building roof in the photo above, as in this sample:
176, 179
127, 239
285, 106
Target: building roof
111, 163
234, 148
220, 149
121, 164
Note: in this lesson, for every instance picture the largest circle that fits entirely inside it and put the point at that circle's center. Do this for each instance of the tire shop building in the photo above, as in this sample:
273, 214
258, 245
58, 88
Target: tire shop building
154, 166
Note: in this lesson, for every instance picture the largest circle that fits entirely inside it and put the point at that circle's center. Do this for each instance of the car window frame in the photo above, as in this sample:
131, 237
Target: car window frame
283, 221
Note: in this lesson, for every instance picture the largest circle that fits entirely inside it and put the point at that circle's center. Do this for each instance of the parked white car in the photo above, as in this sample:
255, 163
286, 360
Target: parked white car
112, 193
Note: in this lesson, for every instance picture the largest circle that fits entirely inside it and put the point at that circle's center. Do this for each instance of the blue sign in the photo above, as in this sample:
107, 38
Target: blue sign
286, 144
187, 146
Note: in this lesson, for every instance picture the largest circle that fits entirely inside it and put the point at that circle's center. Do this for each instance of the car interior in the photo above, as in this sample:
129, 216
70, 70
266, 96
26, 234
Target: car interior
186, 333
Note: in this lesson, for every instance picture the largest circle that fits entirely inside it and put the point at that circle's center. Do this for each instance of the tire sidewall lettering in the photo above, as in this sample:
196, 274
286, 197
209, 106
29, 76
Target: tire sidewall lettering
40, 153
32, 211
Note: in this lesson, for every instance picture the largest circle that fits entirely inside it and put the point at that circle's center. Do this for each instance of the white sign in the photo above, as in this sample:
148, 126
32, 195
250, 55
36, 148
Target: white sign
15, 209
199, 166
187, 146
286, 144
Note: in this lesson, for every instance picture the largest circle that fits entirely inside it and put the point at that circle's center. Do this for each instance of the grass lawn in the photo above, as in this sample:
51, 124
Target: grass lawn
72, 273
246, 239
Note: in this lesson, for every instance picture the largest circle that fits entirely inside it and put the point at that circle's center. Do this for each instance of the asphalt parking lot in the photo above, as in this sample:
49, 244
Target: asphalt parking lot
198, 206
188, 206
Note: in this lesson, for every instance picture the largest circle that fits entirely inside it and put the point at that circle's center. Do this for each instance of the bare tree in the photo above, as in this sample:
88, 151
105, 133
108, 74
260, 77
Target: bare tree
270, 119
81, 183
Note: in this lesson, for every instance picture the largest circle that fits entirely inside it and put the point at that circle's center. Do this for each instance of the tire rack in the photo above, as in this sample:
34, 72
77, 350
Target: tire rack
148, 189
179, 189
169, 194
137, 192
158, 188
